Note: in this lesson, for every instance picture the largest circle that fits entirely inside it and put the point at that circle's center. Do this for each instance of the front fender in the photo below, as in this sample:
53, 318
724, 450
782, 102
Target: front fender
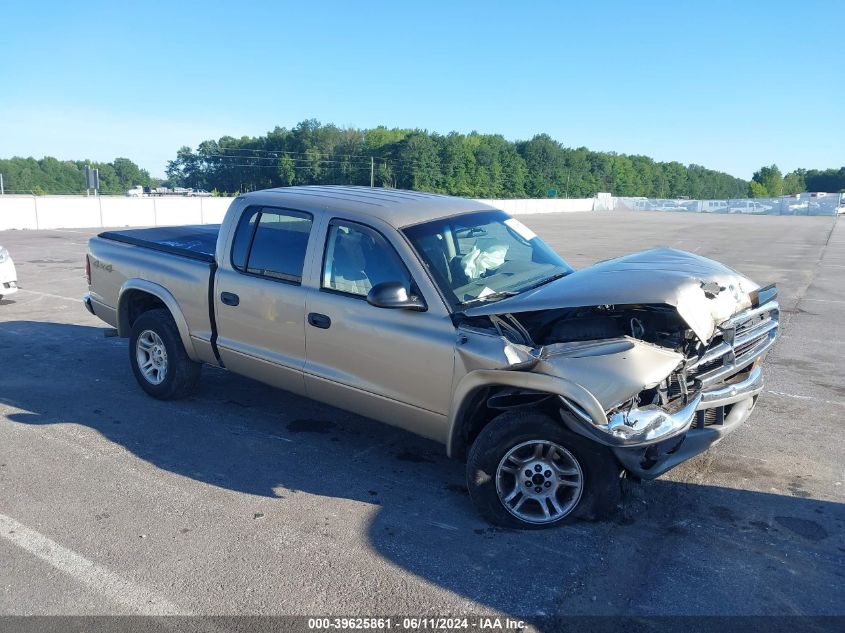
478, 379
164, 295
592, 377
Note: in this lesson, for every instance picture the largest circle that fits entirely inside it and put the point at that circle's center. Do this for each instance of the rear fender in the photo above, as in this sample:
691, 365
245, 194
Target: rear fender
164, 295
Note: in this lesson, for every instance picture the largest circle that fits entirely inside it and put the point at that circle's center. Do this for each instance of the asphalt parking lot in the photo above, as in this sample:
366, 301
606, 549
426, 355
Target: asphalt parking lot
244, 499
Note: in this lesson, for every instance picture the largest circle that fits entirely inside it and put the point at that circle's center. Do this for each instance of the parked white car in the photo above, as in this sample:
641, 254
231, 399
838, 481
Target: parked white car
8, 274
749, 206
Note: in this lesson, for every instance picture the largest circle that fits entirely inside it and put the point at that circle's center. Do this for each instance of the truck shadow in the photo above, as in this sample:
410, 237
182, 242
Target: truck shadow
674, 547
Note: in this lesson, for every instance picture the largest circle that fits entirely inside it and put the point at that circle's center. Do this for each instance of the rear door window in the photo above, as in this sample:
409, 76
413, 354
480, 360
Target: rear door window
271, 243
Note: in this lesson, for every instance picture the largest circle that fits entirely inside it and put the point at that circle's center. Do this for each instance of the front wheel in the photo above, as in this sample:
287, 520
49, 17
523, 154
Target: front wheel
525, 470
159, 361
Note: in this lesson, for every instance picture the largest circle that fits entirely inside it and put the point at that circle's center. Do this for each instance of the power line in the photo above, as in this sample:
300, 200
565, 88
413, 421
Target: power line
298, 167
309, 156
337, 159
277, 161
278, 152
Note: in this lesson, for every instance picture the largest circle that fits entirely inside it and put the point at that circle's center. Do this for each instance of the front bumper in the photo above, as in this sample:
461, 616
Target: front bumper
8, 288
646, 426
649, 441
8, 278
652, 461
731, 405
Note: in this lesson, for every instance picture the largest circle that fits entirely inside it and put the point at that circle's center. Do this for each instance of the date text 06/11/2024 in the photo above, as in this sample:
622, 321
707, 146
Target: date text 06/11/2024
416, 624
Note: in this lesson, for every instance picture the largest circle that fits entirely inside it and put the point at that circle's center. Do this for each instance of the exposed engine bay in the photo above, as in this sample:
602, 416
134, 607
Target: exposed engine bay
653, 324
588, 331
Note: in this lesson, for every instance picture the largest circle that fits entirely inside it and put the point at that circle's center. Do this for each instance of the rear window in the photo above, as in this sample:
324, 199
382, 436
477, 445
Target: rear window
272, 243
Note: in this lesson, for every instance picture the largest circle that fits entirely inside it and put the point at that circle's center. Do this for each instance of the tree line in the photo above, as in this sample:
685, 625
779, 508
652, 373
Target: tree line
50, 175
472, 165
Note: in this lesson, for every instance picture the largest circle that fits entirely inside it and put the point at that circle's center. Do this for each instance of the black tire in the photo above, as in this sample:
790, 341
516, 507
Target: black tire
600, 472
182, 374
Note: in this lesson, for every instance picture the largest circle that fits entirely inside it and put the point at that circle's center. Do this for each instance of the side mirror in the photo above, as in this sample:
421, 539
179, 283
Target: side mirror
392, 294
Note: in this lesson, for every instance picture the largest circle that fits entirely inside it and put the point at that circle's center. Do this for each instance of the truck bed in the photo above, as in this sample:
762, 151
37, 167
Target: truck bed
195, 242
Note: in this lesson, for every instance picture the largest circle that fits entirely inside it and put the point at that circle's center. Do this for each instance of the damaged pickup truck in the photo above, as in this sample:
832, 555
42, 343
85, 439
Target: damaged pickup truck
451, 319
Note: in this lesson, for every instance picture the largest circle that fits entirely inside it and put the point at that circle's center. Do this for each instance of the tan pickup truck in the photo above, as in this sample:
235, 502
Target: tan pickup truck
453, 320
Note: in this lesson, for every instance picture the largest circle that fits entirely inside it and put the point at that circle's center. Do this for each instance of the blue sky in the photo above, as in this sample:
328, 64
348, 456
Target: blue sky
727, 84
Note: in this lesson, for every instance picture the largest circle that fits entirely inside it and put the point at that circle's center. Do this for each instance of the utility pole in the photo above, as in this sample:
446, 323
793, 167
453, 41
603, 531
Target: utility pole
2, 191
372, 172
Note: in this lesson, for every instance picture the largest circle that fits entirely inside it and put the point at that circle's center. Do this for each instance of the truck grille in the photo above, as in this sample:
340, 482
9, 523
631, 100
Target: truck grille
744, 338
674, 388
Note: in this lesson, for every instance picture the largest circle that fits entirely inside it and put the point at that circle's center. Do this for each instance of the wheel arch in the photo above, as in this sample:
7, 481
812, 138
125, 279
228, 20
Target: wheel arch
469, 412
138, 296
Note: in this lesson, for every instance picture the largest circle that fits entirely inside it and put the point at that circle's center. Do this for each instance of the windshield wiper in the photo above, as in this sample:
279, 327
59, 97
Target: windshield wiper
504, 294
493, 296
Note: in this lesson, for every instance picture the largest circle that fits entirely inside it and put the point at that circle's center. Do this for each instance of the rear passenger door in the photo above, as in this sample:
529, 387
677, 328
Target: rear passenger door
259, 298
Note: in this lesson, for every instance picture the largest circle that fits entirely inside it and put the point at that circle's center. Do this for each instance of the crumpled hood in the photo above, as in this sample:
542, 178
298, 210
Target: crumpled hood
704, 292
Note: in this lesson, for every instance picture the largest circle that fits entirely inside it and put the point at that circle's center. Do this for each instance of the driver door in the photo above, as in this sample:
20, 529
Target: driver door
394, 365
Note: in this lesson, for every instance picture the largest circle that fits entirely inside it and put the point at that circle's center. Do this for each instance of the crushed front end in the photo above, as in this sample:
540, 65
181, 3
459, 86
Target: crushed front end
706, 398
656, 355
638, 378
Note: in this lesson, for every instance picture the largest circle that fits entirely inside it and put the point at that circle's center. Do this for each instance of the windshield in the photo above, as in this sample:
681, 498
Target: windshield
484, 256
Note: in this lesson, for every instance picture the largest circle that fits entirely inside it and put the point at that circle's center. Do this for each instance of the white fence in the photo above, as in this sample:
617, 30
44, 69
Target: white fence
551, 205
814, 203
69, 212
72, 212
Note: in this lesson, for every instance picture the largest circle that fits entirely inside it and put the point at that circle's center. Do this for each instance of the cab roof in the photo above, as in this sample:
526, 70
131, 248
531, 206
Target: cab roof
397, 207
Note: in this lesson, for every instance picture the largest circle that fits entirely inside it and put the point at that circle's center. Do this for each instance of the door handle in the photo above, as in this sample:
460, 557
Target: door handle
230, 298
319, 320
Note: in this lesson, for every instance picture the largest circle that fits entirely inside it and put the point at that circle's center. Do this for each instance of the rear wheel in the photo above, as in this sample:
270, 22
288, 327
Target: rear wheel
159, 360
526, 471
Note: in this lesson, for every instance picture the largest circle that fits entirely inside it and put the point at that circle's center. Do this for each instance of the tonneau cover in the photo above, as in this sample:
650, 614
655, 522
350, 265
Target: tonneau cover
196, 242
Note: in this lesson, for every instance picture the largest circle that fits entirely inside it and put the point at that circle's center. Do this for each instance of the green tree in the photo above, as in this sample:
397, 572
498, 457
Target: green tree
185, 168
757, 190
794, 183
770, 180
286, 170
546, 165
831, 180
420, 162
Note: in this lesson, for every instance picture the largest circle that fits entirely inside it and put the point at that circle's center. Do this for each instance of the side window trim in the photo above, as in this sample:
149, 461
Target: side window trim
333, 221
259, 211
252, 238
246, 213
